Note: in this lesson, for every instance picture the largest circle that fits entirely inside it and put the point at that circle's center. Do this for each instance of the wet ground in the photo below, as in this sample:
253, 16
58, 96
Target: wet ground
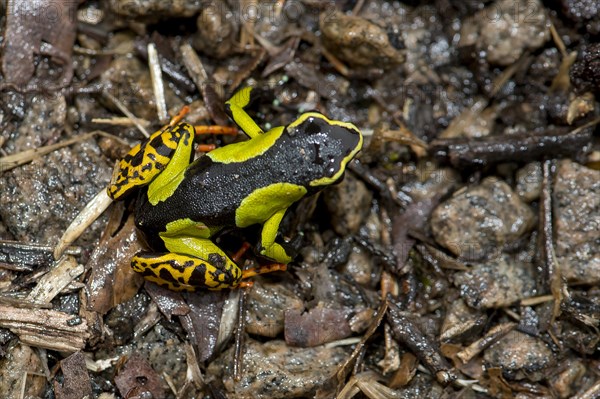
459, 257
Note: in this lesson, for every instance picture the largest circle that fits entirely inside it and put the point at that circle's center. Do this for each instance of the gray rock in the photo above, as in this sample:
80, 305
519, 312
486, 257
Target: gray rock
496, 283
529, 181
154, 9
577, 222
266, 305
477, 222
520, 356
39, 200
506, 29
276, 371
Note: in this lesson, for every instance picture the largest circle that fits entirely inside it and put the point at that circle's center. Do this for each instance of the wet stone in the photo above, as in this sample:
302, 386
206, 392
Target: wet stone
217, 30
569, 379
19, 361
272, 370
585, 72
266, 306
529, 181
42, 123
129, 81
165, 353
496, 283
584, 12
349, 204
506, 29
154, 9
360, 267
476, 223
520, 356
40, 199
577, 222
357, 41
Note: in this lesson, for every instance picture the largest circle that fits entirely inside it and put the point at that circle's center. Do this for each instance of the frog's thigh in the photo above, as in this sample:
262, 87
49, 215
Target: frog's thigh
144, 162
269, 232
165, 183
193, 263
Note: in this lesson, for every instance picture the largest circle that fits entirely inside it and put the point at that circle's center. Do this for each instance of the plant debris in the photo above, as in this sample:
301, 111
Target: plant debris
34, 29
77, 383
458, 257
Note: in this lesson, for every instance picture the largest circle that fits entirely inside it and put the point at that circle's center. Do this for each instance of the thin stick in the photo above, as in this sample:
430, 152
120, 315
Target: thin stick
12, 161
125, 111
119, 121
157, 83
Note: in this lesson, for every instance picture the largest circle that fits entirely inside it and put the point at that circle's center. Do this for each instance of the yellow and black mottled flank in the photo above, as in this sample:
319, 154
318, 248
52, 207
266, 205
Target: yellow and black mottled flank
186, 273
146, 160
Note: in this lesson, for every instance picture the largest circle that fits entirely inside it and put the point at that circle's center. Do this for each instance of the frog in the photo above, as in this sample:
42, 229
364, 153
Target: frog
183, 203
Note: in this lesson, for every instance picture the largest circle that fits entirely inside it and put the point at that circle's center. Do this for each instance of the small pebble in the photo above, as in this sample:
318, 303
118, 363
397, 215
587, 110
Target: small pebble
520, 356
477, 222
506, 29
496, 283
357, 41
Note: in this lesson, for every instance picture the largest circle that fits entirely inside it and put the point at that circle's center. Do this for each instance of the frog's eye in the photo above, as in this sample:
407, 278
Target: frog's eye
312, 126
307, 124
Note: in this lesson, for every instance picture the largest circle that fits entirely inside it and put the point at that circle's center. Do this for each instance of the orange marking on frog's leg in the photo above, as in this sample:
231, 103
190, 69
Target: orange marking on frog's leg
177, 118
205, 147
238, 255
215, 129
245, 284
255, 271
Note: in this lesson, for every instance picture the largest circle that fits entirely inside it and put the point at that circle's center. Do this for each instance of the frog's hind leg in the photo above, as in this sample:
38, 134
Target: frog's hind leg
169, 149
179, 272
197, 262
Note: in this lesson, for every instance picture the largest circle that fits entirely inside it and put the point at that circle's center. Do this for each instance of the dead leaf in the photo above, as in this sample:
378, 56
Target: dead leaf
44, 27
113, 281
77, 382
138, 378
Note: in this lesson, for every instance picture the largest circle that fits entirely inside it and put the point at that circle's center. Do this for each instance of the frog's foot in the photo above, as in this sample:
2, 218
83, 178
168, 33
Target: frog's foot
238, 255
179, 272
276, 252
255, 271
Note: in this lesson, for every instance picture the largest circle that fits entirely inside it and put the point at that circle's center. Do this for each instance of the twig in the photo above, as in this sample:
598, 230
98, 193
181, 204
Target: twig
125, 111
83, 220
45, 328
12, 161
551, 275
239, 337
208, 89
410, 336
464, 152
157, 84
119, 121
344, 369
484, 342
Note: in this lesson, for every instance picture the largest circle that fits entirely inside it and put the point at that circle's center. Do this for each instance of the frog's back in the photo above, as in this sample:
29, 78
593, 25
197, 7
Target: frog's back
215, 185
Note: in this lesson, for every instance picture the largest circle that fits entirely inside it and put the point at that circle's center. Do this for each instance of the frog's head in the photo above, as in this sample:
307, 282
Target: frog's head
335, 143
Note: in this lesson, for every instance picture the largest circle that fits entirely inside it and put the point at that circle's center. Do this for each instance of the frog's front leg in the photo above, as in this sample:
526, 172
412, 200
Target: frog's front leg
270, 248
193, 263
235, 108
163, 157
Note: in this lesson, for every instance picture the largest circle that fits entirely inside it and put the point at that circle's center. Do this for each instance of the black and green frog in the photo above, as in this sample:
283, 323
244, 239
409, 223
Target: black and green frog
182, 202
